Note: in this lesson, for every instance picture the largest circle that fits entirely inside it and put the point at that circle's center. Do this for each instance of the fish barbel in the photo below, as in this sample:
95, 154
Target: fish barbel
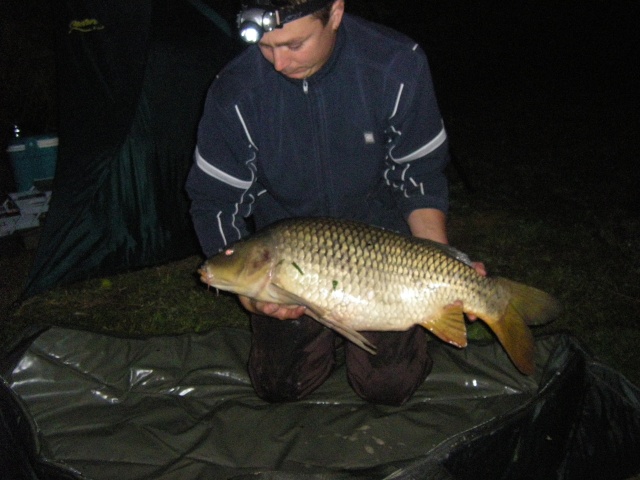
353, 277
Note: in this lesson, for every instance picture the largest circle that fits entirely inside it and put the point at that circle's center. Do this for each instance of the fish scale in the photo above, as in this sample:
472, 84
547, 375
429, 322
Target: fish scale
360, 260
353, 277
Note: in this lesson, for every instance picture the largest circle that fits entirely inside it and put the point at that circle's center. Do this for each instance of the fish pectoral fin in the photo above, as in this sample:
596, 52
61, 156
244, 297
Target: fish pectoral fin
349, 333
285, 296
324, 317
449, 326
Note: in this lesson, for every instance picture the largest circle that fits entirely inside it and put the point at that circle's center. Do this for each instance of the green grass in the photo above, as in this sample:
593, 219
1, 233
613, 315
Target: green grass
164, 300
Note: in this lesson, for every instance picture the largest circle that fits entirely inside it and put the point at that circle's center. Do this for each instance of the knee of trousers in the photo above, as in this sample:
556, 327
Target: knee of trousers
388, 381
393, 390
290, 360
290, 387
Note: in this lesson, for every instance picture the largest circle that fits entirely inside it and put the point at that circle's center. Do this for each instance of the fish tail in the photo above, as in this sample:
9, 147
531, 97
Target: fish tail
527, 306
534, 306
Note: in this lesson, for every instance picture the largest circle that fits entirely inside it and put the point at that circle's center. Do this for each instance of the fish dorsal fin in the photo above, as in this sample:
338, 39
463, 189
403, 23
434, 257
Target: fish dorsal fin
449, 326
448, 250
457, 254
326, 319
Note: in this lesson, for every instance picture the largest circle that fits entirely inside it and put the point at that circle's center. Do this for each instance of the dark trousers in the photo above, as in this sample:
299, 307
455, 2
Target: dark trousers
289, 359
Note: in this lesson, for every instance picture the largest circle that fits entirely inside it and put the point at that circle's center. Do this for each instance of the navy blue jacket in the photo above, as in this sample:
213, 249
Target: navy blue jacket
360, 139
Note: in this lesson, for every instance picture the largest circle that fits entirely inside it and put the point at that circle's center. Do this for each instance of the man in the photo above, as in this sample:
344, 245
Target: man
328, 115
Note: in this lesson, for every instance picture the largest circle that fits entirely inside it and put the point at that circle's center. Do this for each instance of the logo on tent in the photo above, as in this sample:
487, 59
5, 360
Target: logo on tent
86, 25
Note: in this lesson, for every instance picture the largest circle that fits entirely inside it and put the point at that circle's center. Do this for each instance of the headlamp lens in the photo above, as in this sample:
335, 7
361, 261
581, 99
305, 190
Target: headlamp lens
269, 21
250, 32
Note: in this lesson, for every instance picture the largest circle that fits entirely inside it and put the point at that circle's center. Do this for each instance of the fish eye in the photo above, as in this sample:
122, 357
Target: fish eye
228, 251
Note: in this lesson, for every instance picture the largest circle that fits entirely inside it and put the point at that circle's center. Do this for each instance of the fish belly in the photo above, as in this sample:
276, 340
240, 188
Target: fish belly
373, 299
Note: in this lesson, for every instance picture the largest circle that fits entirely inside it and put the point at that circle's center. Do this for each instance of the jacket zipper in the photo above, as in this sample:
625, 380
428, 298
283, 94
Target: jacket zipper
320, 165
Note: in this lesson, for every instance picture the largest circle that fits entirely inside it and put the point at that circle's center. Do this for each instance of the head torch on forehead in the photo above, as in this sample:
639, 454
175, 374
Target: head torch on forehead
260, 16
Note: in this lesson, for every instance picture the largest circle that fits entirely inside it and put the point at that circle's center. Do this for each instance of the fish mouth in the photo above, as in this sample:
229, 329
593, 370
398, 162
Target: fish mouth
211, 280
206, 277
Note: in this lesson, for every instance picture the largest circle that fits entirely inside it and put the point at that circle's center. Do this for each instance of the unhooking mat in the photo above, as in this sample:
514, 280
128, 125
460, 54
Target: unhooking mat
93, 406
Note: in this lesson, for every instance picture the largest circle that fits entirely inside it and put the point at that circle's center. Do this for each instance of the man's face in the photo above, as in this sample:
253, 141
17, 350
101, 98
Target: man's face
301, 47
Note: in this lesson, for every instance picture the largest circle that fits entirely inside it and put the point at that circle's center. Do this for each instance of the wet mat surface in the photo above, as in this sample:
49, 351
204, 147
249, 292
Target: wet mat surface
183, 407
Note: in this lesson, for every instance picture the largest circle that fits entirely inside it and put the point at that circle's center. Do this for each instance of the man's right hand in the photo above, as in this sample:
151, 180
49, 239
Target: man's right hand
276, 310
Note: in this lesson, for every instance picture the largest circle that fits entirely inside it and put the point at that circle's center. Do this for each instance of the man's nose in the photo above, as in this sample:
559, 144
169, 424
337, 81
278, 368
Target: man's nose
280, 59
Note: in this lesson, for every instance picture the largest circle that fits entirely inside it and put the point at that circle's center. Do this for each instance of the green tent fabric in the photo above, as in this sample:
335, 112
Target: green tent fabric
182, 407
132, 80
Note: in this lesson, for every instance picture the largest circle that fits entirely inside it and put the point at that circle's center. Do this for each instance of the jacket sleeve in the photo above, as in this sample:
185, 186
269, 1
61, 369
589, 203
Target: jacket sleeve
417, 148
222, 180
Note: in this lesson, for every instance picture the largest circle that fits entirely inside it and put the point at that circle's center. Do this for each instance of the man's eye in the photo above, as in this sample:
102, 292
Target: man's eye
295, 46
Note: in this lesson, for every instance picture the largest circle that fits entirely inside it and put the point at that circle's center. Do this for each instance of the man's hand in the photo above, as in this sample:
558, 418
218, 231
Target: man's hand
480, 268
276, 310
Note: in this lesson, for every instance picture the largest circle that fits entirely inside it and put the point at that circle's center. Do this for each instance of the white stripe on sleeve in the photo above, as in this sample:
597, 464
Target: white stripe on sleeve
426, 149
218, 174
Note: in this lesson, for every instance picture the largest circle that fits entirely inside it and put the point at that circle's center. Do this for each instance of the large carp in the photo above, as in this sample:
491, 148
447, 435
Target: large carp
353, 277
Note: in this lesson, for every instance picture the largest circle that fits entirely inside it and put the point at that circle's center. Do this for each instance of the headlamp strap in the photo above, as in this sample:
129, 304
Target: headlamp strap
286, 12
298, 11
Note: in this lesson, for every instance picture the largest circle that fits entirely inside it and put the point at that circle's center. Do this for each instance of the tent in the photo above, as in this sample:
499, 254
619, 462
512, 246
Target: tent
133, 76
80, 405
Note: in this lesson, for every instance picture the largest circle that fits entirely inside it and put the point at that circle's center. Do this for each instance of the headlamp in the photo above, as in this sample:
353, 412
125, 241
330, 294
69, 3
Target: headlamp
262, 16
253, 22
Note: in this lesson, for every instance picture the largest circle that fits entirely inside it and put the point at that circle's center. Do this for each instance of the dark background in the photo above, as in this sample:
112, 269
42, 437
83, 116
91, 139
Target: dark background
557, 78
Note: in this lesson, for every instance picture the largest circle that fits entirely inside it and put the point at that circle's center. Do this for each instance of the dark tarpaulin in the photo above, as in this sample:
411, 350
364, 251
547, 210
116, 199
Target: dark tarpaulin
132, 82
82, 405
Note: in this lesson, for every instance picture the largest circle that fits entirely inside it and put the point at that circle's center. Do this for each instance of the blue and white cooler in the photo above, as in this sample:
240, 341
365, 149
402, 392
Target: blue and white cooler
33, 159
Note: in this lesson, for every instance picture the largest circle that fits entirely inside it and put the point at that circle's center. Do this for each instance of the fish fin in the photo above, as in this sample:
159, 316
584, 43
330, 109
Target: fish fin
348, 333
516, 339
325, 319
527, 306
534, 306
449, 326
286, 296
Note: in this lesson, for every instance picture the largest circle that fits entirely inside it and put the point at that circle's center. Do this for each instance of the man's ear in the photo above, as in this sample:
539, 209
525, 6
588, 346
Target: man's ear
337, 11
